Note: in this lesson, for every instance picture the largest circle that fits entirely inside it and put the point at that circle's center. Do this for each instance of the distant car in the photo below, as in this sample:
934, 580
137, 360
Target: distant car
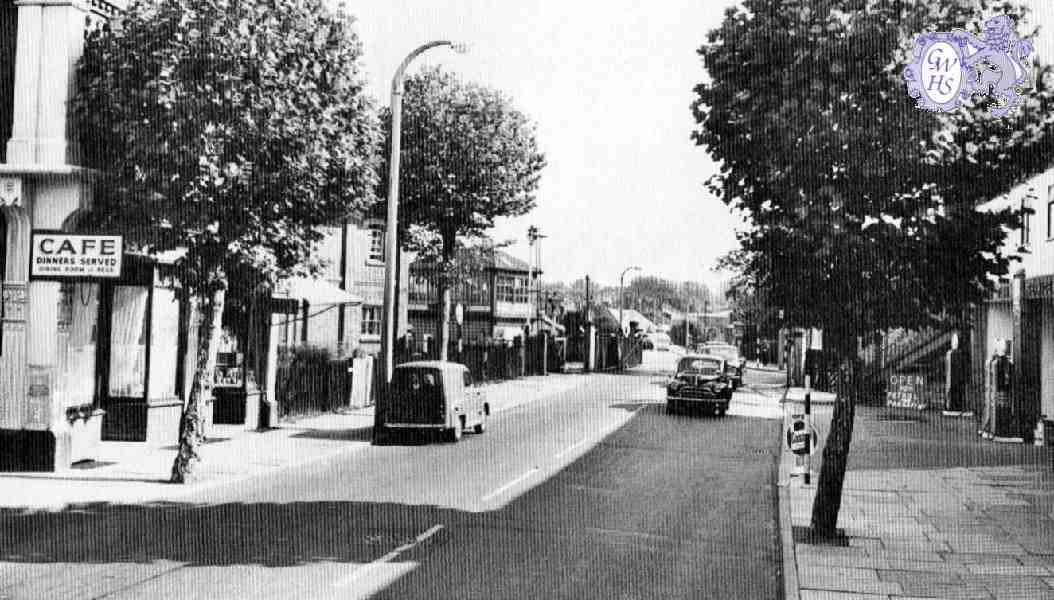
700, 382
734, 363
432, 395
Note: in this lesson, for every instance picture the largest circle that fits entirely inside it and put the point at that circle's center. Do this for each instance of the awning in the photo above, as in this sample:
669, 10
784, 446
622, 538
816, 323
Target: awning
314, 291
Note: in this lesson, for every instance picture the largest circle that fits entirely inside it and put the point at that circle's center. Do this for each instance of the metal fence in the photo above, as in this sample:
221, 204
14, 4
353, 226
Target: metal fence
309, 382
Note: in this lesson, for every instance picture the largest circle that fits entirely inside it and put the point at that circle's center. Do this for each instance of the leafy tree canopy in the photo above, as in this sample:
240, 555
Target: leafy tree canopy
861, 206
467, 157
230, 129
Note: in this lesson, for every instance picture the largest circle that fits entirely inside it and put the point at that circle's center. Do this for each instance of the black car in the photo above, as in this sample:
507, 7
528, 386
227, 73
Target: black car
700, 382
734, 362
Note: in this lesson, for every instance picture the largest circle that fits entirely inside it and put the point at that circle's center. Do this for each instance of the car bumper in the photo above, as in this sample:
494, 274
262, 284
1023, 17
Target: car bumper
416, 425
714, 400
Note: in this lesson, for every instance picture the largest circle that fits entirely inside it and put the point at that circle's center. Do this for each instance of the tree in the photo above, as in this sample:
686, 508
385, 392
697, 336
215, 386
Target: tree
676, 333
228, 131
468, 157
861, 206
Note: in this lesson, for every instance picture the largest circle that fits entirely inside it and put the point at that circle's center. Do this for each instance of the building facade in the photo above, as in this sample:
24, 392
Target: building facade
498, 299
1021, 313
88, 360
81, 360
355, 262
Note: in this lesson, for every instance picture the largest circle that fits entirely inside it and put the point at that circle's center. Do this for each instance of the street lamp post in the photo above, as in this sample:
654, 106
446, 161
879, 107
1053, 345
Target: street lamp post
620, 334
390, 241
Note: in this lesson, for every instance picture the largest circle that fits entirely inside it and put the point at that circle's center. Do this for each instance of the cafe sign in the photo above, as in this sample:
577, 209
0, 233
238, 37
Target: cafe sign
58, 255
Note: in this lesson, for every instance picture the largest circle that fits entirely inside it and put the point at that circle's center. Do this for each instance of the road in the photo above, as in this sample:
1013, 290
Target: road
595, 493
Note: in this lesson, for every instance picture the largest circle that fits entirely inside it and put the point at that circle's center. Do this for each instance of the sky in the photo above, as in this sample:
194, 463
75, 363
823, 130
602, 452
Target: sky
609, 84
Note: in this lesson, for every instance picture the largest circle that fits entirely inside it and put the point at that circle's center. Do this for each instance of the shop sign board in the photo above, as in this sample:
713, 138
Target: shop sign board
802, 439
60, 256
906, 391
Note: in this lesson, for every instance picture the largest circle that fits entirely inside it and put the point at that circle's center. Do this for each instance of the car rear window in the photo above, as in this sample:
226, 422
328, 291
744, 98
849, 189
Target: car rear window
417, 384
727, 352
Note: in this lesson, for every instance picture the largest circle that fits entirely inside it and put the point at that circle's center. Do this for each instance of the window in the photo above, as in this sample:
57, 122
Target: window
371, 320
1050, 212
1026, 219
78, 315
375, 253
164, 336
128, 342
512, 288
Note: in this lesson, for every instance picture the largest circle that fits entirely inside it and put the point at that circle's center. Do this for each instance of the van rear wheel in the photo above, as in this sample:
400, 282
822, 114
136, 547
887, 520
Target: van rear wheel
481, 426
453, 435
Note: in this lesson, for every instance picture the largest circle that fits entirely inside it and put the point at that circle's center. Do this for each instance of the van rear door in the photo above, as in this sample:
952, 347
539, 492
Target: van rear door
417, 397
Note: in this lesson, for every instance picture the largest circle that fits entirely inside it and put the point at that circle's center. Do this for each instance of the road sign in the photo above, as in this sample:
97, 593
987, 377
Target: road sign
798, 435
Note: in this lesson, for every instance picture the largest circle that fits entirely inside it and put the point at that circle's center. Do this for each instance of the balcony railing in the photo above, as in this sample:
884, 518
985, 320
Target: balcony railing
424, 288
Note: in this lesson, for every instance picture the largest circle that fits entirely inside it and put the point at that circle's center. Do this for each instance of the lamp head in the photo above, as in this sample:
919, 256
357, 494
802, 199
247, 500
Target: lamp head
460, 47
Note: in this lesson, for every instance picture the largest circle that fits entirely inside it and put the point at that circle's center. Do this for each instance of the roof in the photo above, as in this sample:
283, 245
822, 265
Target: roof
630, 315
507, 262
442, 365
314, 291
700, 357
501, 261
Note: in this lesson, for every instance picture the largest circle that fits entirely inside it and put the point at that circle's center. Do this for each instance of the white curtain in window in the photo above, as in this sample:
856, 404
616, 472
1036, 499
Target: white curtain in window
79, 366
128, 341
164, 344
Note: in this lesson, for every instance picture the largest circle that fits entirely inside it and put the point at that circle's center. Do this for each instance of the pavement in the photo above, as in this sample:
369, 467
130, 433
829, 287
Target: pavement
129, 472
929, 511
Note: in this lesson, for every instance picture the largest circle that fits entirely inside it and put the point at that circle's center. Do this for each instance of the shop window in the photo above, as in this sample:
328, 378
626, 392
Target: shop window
375, 231
78, 320
164, 343
371, 320
128, 342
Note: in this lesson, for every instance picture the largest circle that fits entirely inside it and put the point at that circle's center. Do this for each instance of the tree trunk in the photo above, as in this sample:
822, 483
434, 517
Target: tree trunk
191, 425
828, 499
444, 321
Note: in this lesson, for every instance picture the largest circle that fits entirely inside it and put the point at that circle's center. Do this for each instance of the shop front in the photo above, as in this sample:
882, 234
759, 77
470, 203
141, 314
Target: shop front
142, 362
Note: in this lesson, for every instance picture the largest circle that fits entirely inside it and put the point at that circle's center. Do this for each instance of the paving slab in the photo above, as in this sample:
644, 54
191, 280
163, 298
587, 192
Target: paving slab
933, 512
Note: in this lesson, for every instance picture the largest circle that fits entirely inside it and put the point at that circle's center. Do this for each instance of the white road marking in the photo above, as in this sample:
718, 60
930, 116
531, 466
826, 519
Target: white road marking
571, 448
511, 484
358, 573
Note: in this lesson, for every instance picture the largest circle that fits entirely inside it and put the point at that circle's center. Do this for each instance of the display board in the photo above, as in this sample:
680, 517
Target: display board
906, 390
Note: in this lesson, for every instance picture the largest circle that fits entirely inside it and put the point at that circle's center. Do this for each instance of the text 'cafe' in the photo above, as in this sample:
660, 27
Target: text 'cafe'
115, 334
71, 256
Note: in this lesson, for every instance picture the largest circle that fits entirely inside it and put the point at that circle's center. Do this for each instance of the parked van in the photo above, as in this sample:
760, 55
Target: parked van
432, 395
